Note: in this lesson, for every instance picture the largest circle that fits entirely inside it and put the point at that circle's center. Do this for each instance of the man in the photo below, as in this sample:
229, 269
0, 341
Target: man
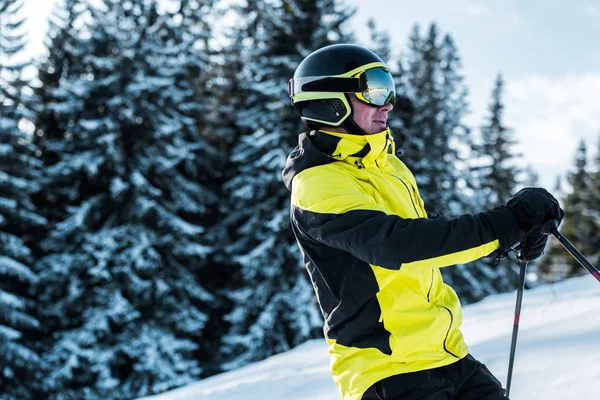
373, 256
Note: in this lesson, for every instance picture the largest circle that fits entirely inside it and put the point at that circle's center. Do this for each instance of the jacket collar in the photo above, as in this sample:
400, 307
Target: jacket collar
364, 151
324, 147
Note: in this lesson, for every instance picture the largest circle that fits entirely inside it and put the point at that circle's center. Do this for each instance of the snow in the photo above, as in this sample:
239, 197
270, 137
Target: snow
4, 148
7, 333
12, 268
10, 300
16, 183
90, 125
557, 356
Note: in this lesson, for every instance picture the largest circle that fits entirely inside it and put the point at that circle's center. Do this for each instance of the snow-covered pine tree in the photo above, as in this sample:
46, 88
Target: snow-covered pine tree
20, 223
594, 208
379, 42
460, 140
399, 119
227, 93
494, 179
273, 306
496, 172
437, 144
580, 226
437, 137
131, 191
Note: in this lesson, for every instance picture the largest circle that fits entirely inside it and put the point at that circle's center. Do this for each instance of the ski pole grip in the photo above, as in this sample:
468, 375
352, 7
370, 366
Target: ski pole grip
549, 227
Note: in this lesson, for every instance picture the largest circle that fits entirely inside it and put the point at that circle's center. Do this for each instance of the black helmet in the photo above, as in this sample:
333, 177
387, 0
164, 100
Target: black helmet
321, 81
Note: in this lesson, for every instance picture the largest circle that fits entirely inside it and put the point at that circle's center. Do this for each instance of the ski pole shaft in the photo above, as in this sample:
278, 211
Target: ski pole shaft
515, 332
551, 227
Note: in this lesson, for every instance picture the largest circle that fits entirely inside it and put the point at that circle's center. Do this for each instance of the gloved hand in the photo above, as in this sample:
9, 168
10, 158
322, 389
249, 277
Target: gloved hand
532, 207
533, 245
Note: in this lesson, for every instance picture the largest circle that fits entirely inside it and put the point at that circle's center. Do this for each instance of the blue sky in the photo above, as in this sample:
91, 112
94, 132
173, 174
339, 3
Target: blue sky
547, 51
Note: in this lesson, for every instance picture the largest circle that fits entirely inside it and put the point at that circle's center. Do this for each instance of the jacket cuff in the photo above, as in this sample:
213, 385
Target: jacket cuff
504, 225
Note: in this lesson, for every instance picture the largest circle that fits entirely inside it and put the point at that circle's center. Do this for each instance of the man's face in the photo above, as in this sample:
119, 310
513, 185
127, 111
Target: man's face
370, 119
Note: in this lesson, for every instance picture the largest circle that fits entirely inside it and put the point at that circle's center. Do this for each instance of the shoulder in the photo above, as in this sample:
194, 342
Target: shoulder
325, 183
329, 178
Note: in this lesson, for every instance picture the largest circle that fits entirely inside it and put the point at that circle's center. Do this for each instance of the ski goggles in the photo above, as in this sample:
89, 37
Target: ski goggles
374, 86
378, 87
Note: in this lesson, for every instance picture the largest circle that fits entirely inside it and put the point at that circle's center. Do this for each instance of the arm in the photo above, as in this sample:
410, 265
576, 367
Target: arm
333, 210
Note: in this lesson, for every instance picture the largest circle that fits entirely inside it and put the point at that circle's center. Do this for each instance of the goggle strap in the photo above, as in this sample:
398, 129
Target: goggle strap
344, 85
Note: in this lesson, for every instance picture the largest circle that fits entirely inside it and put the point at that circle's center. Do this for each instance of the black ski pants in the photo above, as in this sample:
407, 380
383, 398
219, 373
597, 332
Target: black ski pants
466, 379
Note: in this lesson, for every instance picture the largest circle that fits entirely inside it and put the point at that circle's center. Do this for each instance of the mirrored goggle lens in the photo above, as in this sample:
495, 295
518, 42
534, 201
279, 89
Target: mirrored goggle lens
377, 87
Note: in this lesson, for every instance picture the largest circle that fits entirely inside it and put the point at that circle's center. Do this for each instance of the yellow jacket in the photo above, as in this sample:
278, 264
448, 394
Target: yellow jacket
374, 258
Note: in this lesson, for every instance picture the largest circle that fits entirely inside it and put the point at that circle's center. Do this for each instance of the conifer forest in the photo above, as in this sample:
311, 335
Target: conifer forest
144, 226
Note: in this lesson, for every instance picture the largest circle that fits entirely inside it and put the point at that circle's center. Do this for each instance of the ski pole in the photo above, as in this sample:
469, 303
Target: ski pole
551, 227
513, 343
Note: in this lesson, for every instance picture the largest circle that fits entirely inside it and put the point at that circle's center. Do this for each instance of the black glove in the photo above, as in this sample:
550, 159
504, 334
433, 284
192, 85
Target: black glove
534, 206
533, 245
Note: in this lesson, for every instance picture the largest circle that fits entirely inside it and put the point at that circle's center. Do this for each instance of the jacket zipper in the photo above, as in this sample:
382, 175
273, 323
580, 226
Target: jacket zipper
430, 287
415, 207
409, 195
431, 283
417, 212
448, 331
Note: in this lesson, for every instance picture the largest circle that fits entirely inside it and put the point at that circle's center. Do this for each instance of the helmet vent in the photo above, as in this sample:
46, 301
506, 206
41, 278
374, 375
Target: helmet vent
336, 105
326, 110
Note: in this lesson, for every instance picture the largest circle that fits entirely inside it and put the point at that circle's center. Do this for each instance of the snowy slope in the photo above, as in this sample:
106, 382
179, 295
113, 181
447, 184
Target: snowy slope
558, 352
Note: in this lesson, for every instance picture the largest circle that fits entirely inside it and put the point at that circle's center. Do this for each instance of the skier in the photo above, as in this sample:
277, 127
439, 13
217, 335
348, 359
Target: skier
372, 253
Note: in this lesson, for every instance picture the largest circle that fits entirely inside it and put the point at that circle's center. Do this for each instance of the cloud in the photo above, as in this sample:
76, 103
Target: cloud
550, 116
591, 10
474, 9
499, 19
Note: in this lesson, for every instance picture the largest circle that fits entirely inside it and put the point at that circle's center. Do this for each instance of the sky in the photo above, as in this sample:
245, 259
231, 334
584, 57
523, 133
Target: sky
557, 355
547, 52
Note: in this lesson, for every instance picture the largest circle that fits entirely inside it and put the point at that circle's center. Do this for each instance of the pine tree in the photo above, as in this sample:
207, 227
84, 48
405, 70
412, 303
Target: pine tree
495, 179
438, 144
401, 116
399, 120
379, 42
273, 306
20, 222
594, 209
131, 194
579, 224
437, 137
497, 170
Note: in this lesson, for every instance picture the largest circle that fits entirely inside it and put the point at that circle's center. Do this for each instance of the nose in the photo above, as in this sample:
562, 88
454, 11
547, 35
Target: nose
386, 107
